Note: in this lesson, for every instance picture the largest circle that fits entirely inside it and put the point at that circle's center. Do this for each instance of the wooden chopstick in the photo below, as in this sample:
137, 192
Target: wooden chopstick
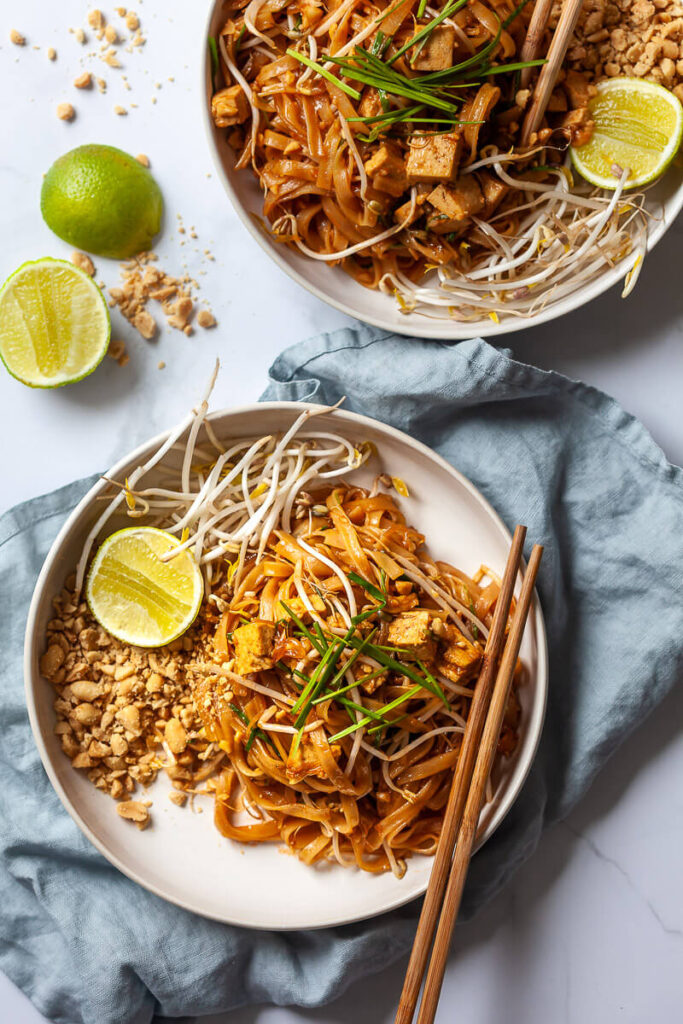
534, 37
460, 785
476, 796
551, 69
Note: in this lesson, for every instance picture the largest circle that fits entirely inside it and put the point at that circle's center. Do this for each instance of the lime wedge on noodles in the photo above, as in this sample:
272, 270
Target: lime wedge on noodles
135, 595
54, 324
638, 126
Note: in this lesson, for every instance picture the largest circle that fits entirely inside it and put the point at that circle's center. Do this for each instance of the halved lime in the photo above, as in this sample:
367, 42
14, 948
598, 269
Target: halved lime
54, 324
638, 126
135, 595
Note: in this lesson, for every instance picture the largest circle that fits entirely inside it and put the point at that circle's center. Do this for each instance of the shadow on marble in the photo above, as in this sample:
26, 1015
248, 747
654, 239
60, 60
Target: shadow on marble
110, 383
610, 324
373, 999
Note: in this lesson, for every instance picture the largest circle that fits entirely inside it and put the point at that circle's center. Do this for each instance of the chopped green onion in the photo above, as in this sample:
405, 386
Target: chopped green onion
319, 69
213, 50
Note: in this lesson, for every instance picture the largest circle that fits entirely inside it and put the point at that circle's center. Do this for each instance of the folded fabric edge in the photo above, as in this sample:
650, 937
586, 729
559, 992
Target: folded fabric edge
498, 364
27, 513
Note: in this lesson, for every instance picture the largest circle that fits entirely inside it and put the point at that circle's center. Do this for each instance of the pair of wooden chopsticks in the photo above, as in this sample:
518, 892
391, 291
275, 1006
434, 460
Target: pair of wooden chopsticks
468, 790
547, 79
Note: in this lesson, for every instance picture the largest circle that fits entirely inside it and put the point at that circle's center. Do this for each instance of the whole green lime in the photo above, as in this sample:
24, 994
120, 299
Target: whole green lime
102, 200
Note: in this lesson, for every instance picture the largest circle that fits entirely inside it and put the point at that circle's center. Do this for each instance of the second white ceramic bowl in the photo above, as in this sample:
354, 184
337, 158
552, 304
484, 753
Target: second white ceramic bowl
334, 286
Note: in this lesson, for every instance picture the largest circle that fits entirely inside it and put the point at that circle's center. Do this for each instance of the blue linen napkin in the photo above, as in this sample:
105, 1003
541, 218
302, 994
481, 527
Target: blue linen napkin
88, 945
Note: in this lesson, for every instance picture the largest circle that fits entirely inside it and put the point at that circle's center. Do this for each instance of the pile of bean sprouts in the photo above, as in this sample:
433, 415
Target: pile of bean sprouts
568, 237
225, 501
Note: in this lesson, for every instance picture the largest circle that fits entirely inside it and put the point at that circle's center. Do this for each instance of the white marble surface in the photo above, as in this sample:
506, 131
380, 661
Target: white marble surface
591, 930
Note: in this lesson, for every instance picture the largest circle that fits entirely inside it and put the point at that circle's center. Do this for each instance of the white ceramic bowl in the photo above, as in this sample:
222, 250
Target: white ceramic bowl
333, 285
182, 857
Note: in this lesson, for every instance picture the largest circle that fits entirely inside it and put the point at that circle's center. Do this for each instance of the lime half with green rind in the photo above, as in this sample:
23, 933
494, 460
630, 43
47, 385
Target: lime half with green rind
136, 595
54, 324
638, 127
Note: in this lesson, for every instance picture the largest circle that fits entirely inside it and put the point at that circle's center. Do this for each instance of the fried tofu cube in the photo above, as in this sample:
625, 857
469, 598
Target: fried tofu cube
457, 659
387, 169
370, 104
229, 107
493, 190
434, 158
411, 630
437, 53
455, 205
462, 200
401, 212
253, 647
578, 88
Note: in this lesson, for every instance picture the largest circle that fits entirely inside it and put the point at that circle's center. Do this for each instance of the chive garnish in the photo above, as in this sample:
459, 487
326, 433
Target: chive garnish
324, 72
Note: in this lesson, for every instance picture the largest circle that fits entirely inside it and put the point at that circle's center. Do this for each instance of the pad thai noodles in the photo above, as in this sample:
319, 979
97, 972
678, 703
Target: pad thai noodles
386, 138
322, 693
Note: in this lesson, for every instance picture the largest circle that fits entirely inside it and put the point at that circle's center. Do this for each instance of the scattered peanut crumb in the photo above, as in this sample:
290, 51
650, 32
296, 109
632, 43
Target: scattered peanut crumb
83, 262
143, 159
65, 112
17, 38
177, 797
134, 810
121, 111
111, 59
117, 351
51, 53
101, 84
206, 319
132, 21
80, 36
121, 11
83, 81
161, 365
111, 35
96, 20
143, 282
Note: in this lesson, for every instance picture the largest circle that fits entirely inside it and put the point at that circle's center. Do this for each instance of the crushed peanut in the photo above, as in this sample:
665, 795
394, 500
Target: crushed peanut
636, 38
111, 35
17, 38
142, 159
134, 810
96, 20
83, 262
124, 713
51, 53
117, 351
132, 21
121, 111
83, 81
65, 112
206, 319
80, 36
142, 282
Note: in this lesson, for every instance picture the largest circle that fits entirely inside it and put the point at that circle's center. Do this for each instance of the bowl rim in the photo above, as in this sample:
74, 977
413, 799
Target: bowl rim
420, 327
32, 639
